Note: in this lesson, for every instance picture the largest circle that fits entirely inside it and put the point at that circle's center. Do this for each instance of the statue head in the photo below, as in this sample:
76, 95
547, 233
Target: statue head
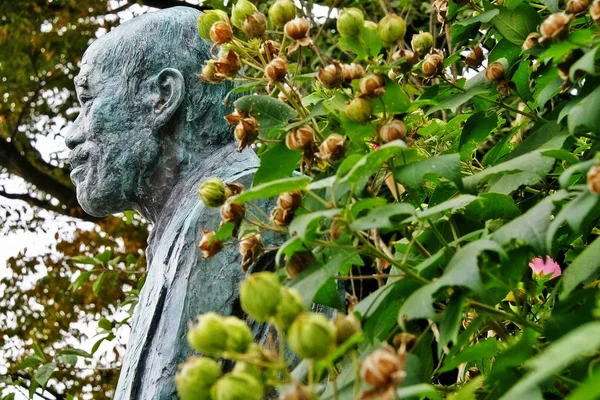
145, 116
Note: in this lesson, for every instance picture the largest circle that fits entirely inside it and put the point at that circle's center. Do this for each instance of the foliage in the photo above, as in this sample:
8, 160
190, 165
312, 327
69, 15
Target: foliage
427, 195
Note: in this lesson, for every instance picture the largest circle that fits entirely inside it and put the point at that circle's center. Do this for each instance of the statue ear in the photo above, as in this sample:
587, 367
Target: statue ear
171, 92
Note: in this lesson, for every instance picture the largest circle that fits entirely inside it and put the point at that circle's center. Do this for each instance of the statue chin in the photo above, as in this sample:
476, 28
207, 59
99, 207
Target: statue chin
100, 204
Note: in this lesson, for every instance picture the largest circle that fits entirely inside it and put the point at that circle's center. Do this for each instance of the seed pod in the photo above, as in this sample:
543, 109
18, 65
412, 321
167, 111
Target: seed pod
239, 335
595, 11
237, 386
232, 212
276, 70
209, 73
209, 335
593, 179
383, 367
281, 12
290, 200
206, 21
233, 189
298, 262
297, 28
331, 76
229, 64
410, 58
391, 29
404, 341
311, 336
422, 42
576, 7
290, 307
260, 295
359, 110
392, 130
240, 11
352, 72
236, 116
475, 57
331, 148
246, 132
299, 138
441, 6
297, 392
221, 32
531, 40
212, 192
251, 248
195, 378
472, 373
345, 327
494, 72
350, 22
269, 49
372, 86
208, 246
555, 26
433, 63
281, 217
255, 25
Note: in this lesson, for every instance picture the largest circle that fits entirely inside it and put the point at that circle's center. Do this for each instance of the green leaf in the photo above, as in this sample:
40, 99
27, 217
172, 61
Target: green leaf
105, 256
522, 78
447, 166
38, 351
584, 115
589, 389
276, 163
422, 390
105, 324
43, 374
305, 225
395, 99
353, 45
565, 178
483, 349
76, 352
451, 319
477, 128
383, 217
484, 17
576, 213
270, 112
273, 188
585, 267
98, 283
454, 101
454, 204
581, 342
85, 260
491, 206
515, 24
467, 392
28, 362
81, 279
371, 163
587, 63
68, 359
225, 231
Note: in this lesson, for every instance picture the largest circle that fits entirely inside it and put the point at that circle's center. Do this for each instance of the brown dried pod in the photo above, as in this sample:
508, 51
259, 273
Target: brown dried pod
290, 200
297, 392
392, 130
595, 11
276, 70
593, 179
331, 76
404, 341
297, 28
255, 25
229, 65
475, 57
209, 248
532, 39
352, 71
383, 367
233, 189
269, 49
251, 248
298, 262
433, 63
494, 72
246, 132
576, 7
221, 32
555, 26
441, 6
299, 138
332, 147
410, 57
232, 212
281, 217
372, 86
236, 116
209, 73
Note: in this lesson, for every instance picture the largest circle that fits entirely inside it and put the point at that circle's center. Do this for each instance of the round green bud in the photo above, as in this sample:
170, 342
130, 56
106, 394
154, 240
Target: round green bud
209, 335
290, 307
237, 386
391, 29
260, 295
311, 336
281, 12
212, 192
359, 110
350, 22
239, 335
240, 10
422, 42
195, 378
206, 21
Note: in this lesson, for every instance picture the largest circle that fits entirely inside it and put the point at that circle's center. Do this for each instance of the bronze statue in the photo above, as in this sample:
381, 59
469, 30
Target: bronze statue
148, 133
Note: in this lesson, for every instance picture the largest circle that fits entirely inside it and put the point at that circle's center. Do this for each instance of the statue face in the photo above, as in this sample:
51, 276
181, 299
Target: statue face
111, 140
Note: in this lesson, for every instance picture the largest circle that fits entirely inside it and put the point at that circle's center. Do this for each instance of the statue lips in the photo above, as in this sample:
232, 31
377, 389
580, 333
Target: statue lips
77, 160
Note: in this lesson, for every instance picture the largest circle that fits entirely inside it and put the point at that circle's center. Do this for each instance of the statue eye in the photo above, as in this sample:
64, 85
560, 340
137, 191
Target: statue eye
85, 100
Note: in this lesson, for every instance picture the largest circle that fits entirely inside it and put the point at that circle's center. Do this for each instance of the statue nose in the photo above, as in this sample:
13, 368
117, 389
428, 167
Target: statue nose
75, 137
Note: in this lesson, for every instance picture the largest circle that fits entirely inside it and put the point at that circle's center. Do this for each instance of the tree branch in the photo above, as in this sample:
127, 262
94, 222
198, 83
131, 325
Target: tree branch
32, 201
171, 3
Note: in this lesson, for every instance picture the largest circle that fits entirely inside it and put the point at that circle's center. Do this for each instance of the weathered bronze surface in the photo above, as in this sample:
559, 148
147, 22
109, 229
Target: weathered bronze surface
149, 132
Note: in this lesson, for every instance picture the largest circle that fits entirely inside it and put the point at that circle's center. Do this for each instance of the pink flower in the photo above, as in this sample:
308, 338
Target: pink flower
542, 268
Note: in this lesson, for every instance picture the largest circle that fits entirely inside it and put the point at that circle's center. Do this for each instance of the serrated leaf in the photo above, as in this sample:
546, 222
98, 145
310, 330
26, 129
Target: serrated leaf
586, 266
270, 112
43, 373
447, 166
515, 24
304, 226
276, 163
273, 188
371, 163
395, 99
